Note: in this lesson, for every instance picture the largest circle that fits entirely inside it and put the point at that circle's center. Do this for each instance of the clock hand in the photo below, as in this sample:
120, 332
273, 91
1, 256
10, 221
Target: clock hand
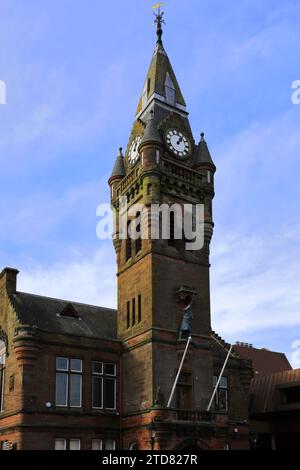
180, 140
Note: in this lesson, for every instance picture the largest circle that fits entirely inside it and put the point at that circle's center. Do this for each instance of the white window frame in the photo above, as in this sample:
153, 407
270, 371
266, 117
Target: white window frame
75, 440
59, 369
97, 374
110, 440
75, 371
67, 389
221, 387
61, 439
81, 385
69, 372
103, 376
100, 441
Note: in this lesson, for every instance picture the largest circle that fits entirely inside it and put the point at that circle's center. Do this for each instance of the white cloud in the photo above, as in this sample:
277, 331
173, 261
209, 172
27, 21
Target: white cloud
255, 284
36, 217
82, 279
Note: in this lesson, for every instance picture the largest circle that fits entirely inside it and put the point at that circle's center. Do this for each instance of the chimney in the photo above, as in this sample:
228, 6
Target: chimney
8, 280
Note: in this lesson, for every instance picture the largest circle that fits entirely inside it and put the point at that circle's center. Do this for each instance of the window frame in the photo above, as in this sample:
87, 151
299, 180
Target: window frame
67, 443
221, 388
74, 440
60, 439
104, 375
69, 372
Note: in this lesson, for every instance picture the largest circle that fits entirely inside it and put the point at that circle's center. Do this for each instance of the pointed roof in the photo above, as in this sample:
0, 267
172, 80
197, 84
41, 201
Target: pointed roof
151, 133
119, 168
203, 156
161, 82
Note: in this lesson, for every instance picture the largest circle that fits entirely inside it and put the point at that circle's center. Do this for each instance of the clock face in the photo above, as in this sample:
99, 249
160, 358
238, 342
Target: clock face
133, 154
178, 143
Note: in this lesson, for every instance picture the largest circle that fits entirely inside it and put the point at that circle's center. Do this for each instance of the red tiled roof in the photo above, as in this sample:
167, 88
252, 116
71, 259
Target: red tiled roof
265, 391
263, 360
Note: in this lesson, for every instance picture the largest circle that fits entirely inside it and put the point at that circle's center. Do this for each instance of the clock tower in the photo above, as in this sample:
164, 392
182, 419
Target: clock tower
159, 276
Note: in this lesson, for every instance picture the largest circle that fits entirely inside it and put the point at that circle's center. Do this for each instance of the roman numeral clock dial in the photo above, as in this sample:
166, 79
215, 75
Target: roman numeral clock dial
133, 154
178, 143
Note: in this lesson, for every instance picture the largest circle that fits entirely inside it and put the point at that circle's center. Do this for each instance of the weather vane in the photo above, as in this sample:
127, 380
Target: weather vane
159, 20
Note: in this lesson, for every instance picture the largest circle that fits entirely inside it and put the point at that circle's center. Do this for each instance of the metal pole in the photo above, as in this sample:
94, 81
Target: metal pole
219, 379
179, 370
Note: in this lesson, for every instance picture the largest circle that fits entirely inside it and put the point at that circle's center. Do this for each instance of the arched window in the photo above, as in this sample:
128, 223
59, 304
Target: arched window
2, 372
171, 240
128, 242
138, 242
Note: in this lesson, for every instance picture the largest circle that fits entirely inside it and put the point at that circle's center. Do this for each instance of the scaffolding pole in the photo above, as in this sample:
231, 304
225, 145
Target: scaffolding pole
179, 371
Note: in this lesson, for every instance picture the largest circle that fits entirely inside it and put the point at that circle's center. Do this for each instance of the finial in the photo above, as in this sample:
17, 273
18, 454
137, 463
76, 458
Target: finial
159, 21
120, 151
202, 137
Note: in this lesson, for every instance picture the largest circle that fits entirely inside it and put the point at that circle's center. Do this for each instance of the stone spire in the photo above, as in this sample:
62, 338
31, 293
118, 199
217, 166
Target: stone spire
202, 156
119, 168
151, 133
161, 85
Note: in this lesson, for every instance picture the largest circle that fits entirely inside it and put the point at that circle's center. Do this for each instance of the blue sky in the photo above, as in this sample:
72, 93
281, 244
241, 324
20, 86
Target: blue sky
74, 72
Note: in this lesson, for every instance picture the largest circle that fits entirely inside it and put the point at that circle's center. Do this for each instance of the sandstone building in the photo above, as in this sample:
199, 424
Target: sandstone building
76, 376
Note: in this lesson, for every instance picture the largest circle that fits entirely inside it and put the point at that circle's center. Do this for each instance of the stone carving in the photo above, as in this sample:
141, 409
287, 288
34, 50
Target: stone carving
186, 324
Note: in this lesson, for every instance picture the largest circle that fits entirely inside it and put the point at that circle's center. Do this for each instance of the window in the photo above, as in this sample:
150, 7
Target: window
128, 315
2, 373
104, 385
75, 444
100, 444
133, 312
184, 391
221, 397
64, 444
60, 444
171, 240
68, 382
110, 444
208, 176
139, 308
291, 395
134, 446
145, 93
138, 241
128, 242
97, 444
170, 91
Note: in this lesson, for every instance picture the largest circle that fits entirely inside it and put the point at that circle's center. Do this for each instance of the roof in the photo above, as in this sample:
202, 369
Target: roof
263, 360
203, 156
265, 391
119, 167
50, 315
151, 133
159, 74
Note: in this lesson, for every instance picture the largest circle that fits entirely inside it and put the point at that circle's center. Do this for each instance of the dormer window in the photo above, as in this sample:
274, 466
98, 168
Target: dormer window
69, 311
170, 91
145, 93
